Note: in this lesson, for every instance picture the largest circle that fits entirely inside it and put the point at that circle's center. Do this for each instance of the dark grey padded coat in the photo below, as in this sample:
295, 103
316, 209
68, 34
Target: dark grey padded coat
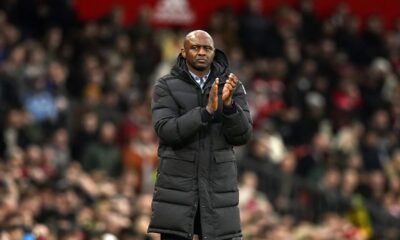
196, 161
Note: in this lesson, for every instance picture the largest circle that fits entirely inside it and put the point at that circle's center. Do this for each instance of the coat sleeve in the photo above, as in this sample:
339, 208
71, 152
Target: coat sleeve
173, 128
237, 126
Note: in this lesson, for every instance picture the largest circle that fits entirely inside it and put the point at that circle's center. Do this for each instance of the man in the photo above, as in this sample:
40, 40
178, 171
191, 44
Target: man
199, 112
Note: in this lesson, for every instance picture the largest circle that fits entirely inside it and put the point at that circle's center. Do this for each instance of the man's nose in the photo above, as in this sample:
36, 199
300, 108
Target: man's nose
202, 51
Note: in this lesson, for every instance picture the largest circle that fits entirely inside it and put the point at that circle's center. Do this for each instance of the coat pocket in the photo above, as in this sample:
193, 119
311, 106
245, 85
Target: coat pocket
224, 171
178, 164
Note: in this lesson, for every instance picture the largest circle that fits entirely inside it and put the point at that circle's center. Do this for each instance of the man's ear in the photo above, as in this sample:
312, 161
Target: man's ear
183, 53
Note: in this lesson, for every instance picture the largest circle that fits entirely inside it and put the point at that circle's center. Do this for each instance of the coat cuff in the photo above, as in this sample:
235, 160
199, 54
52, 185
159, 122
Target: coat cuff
206, 116
230, 110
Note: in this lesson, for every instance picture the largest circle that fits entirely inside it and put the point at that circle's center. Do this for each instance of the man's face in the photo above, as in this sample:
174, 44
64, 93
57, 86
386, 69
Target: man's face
198, 51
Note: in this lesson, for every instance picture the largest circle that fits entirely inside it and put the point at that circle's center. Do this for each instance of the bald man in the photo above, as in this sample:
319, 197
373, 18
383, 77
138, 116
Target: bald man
199, 113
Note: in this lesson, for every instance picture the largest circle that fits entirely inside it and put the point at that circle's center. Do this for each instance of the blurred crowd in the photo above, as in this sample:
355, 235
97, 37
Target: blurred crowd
78, 152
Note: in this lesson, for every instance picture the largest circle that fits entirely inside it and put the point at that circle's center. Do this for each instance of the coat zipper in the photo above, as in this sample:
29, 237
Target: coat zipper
197, 203
201, 101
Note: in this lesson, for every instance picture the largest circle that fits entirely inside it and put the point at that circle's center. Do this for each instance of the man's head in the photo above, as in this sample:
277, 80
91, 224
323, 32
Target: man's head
198, 50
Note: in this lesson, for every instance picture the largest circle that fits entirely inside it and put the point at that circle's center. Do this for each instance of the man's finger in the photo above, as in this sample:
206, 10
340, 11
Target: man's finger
232, 80
229, 86
233, 77
232, 83
214, 88
215, 83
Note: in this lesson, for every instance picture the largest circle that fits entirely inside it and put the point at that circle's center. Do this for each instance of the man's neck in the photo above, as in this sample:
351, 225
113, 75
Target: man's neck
197, 72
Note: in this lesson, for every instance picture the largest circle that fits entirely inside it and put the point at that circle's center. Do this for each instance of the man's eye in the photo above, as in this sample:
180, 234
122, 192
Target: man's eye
195, 47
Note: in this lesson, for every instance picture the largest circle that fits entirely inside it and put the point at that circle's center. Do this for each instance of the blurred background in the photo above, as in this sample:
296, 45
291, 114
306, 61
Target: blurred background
78, 152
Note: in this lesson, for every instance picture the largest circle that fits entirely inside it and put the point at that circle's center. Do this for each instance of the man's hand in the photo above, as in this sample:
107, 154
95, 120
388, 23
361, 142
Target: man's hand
229, 88
212, 104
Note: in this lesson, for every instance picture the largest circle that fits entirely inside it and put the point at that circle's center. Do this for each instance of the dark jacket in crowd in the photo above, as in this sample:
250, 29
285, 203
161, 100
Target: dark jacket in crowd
196, 159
